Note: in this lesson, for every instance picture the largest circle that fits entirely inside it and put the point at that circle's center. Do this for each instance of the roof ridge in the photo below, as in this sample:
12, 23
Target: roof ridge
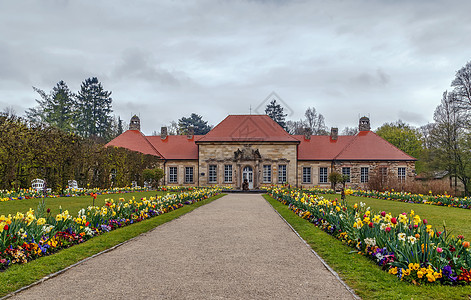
346, 146
217, 125
392, 146
152, 146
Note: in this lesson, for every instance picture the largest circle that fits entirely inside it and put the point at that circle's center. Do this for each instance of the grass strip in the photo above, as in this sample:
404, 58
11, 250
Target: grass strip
18, 276
360, 273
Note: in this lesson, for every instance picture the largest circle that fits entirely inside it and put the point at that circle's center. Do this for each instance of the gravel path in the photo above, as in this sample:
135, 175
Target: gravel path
236, 247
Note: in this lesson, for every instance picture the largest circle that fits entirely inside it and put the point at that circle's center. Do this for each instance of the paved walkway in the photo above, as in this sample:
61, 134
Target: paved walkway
236, 247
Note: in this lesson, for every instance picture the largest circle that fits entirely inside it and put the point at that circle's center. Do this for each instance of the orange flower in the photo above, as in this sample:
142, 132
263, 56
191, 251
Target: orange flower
466, 244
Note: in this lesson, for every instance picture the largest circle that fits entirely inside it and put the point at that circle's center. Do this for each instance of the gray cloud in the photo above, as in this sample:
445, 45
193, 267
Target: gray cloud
167, 59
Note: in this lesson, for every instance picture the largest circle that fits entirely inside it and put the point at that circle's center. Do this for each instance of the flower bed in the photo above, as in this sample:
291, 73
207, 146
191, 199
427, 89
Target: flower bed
31, 193
404, 245
24, 237
440, 200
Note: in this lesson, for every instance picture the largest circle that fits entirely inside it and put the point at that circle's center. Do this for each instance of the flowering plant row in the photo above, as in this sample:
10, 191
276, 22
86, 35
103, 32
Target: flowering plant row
404, 245
440, 200
24, 237
32, 193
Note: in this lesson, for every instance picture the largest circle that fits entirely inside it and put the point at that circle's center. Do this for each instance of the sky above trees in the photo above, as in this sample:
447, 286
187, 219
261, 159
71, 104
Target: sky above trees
162, 60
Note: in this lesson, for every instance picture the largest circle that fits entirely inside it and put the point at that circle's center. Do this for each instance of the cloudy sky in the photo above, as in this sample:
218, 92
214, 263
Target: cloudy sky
163, 60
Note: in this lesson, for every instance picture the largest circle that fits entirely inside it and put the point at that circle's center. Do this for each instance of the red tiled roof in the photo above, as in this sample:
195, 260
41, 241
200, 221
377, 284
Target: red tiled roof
247, 128
134, 140
176, 146
321, 147
367, 145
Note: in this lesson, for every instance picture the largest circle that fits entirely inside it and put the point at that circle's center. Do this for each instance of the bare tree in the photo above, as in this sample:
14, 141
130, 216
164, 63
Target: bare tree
350, 131
9, 111
448, 140
295, 127
315, 121
462, 86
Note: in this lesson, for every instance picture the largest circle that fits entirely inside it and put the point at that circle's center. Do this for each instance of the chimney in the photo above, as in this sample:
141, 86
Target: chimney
191, 132
163, 133
307, 133
334, 133
364, 124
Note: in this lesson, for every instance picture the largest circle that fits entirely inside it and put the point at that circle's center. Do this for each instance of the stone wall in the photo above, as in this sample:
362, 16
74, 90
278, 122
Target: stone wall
315, 172
181, 165
241, 155
355, 171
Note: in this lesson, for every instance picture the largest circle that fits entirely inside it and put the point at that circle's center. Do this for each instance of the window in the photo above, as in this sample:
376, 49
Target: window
401, 174
383, 174
228, 173
346, 172
172, 174
364, 174
323, 175
266, 173
306, 174
188, 174
281, 173
212, 174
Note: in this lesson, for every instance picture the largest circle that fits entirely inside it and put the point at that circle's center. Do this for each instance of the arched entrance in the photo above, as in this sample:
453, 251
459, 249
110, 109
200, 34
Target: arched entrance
247, 173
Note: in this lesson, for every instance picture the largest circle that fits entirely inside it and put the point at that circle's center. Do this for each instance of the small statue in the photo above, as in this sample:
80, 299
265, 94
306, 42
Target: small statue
245, 185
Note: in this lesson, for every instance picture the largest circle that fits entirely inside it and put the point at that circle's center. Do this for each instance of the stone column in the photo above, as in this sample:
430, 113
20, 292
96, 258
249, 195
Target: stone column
256, 177
239, 176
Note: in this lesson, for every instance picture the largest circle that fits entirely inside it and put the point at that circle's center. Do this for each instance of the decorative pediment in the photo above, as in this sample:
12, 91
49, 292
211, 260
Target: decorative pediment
247, 153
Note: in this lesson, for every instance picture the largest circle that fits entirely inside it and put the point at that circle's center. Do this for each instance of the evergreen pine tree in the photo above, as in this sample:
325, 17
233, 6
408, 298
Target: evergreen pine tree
275, 111
56, 108
94, 105
196, 121
120, 126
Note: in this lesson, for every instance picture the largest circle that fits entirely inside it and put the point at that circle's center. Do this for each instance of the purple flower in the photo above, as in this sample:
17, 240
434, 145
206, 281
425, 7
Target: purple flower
447, 271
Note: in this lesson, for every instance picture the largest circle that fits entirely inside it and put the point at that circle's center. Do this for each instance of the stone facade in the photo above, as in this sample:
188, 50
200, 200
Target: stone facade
374, 168
257, 149
183, 177
251, 157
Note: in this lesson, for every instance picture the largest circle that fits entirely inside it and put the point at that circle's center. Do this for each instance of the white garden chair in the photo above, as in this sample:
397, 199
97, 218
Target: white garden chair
38, 185
72, 184
134, 184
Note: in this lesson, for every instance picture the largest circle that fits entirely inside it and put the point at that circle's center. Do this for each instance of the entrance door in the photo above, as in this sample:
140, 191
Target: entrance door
247, 173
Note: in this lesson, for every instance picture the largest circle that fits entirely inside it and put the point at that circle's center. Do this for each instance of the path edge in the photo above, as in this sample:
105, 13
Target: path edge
336, 275
47, 277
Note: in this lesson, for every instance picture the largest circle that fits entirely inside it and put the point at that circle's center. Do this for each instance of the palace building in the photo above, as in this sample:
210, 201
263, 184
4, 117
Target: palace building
256, 148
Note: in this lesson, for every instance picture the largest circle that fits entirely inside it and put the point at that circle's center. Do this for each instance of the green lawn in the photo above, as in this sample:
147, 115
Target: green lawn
18, 276
72, 204
360, 273
457, 220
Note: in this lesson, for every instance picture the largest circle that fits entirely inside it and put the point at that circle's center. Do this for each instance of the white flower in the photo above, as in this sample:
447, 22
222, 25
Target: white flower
47, 228
401, 236
379, 256
370, 241
88, 231
411, 239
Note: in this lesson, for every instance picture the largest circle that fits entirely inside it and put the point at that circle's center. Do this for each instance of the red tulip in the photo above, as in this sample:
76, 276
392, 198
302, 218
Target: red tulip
394, 220
370, 225
425, 221
383, 213
387, 229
